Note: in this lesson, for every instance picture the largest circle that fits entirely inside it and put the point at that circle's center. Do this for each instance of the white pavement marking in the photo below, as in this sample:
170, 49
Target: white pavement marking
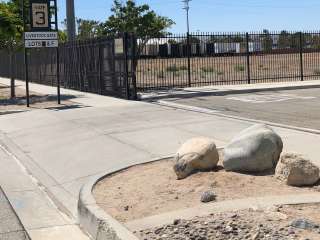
268, 98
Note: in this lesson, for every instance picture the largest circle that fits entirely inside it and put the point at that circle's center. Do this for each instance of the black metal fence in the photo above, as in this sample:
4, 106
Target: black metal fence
173, 61
218, 59
92, 65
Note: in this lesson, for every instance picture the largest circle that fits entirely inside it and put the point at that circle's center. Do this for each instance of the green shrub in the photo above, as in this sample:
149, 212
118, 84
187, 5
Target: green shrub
239, 68
172, 68
183, 68
208, 69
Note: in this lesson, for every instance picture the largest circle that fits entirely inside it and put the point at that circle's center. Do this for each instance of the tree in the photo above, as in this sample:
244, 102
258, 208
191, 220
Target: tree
284, 40
296, 41
88, 29
315, 41
11, 30
267, 41
137, 19
62, 36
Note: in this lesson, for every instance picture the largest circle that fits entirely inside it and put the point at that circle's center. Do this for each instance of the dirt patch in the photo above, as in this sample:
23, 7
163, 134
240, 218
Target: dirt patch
151, 189
279, 223
38, 101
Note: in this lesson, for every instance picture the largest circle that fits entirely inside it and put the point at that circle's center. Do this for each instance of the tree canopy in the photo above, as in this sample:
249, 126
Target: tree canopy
138, 19
88, 29
11, 25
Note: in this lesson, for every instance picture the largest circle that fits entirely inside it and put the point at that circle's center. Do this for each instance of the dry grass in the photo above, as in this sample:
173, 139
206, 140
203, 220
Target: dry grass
225, 70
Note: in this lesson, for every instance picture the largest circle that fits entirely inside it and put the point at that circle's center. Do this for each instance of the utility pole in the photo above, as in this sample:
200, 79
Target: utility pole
186, 7
71, 22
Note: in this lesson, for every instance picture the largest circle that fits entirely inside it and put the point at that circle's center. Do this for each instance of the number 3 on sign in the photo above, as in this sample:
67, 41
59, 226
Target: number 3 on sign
40, 15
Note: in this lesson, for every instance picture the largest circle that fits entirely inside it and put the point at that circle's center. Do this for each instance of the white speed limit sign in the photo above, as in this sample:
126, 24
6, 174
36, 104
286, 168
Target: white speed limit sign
40, 15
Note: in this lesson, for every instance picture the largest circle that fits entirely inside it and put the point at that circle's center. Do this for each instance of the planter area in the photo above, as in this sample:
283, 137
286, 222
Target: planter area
247, 190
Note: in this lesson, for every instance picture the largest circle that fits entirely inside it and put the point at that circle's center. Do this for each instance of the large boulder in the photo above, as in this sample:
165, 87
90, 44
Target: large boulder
296, 170
197, 154
255, 149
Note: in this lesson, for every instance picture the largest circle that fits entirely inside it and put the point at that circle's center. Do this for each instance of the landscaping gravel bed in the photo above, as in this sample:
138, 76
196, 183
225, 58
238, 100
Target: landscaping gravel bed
278, 223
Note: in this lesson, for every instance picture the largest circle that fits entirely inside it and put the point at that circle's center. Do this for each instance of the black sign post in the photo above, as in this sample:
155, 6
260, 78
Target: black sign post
40, 30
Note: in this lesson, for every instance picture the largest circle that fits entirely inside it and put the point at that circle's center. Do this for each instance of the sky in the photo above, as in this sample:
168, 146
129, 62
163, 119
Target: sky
218, 15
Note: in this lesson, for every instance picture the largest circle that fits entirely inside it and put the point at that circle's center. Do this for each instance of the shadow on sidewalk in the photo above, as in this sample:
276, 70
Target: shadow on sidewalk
21, 100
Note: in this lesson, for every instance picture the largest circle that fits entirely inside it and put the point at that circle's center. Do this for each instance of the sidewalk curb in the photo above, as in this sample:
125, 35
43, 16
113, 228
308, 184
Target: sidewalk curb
189, 93
94, 220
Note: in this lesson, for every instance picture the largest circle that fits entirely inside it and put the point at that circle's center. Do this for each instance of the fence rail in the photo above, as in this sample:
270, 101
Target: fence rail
174, 61
221, 59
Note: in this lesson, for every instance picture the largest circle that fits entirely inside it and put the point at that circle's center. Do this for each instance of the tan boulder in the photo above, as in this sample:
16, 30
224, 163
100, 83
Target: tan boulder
197, 154
296, 170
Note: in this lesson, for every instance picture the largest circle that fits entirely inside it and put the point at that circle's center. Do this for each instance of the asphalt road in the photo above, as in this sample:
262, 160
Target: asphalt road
299, 108
10, 226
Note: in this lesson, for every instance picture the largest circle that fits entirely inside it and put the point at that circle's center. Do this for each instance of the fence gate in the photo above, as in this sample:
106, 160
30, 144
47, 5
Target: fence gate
117, 57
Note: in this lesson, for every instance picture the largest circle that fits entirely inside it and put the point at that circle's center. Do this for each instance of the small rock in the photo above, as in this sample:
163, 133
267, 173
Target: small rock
158, 230
303, 224
291, 232
228, 229
208, 196
176, 221
256, 236
126, 208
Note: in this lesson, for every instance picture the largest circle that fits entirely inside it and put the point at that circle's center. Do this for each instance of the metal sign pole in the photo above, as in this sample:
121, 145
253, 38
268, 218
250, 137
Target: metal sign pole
26, 75
43, 33
57, 53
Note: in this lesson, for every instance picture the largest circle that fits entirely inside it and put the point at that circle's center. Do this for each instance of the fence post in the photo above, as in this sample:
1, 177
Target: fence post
12, 80
301, 56
188, 54
100, 67
134, 64
248, 58
58, 75
125, 44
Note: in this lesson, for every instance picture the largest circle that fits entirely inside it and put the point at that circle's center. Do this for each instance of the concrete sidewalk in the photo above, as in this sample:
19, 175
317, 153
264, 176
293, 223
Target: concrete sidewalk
63, 149
10, 226
40, 216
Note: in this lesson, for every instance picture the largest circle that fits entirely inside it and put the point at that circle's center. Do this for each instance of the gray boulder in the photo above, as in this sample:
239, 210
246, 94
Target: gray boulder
296, 170
255, 149
197, 154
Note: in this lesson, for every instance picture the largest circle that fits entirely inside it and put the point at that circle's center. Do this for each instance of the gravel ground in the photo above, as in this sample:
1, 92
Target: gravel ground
278, 223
